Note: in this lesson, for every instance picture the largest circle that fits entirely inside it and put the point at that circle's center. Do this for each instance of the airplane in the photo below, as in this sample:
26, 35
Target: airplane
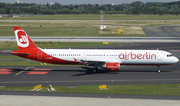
111, 60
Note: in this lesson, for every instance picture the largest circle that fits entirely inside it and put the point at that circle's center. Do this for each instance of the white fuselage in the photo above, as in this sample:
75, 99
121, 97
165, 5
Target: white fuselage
126, 57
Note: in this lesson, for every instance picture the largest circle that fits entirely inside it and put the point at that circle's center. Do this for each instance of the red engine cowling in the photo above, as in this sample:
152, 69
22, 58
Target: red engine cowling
113, 66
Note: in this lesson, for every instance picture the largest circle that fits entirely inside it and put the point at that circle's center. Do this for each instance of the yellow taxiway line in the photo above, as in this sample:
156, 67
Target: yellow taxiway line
21, 71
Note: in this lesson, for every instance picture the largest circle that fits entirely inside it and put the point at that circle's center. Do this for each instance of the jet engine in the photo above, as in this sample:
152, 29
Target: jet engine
112, 66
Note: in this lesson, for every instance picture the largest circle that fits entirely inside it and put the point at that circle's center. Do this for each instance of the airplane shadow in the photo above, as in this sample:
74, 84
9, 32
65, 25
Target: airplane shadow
89, 71
104, 71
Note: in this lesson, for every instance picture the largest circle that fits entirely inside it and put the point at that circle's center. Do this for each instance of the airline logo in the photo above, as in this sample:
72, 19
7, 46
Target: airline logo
22, 38
146, 55
75, 59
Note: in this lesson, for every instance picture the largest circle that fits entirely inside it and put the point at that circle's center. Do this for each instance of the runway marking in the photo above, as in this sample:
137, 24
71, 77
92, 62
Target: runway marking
170, 31
39, 71
6, 71
21, 71
174, 50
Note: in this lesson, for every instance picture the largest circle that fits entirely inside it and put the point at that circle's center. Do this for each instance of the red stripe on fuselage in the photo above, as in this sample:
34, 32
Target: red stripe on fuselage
33, 54
147, 64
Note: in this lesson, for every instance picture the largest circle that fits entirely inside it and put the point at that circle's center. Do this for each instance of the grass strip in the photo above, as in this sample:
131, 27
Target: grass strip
157, 89
96, 17
56, 31
122, 35
12, 57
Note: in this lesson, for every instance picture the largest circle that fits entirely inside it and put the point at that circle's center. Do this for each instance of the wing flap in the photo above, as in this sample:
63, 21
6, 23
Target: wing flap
90, 63
99, 62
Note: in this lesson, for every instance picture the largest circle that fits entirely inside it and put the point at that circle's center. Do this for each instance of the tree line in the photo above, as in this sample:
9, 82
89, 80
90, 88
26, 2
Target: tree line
137, 7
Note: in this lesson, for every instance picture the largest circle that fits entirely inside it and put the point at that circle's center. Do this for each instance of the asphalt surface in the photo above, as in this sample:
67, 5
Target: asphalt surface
75, 76
162, 31
23, 100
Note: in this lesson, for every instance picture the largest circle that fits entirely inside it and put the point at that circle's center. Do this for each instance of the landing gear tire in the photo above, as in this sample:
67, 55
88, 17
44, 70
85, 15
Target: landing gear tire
158, 69
94, 70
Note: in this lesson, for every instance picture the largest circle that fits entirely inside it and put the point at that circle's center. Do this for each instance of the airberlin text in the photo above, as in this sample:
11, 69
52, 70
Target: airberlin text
146, 55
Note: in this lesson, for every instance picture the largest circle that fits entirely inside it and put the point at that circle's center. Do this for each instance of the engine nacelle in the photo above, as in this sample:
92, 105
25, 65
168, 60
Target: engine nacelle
112, 66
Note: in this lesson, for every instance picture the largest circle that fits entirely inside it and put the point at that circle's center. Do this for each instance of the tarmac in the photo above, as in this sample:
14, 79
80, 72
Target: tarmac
16, 100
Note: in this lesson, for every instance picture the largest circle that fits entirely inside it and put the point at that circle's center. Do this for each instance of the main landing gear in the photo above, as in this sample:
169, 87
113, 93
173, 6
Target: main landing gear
158, 69
95, 68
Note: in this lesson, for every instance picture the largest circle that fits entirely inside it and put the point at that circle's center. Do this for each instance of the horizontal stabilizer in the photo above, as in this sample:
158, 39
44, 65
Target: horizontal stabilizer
20, 53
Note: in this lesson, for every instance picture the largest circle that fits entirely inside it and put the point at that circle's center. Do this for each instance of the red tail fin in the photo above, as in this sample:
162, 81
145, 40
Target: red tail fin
23, 40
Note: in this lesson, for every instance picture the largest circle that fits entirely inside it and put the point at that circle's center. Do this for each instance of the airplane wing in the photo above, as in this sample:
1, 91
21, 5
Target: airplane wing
99, 62
92, 63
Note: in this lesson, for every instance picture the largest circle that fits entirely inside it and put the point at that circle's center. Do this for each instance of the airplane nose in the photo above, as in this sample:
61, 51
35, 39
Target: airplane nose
176, 60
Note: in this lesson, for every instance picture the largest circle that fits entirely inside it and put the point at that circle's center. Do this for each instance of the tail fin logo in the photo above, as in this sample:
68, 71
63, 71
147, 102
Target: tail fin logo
22, 38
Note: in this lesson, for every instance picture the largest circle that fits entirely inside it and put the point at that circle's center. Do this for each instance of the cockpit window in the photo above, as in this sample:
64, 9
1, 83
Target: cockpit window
169, 55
